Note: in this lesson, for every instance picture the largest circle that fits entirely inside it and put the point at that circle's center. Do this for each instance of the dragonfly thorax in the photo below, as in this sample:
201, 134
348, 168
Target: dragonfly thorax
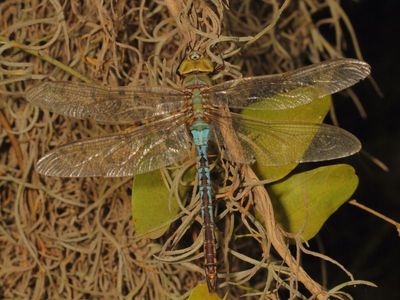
197, 80
197, 101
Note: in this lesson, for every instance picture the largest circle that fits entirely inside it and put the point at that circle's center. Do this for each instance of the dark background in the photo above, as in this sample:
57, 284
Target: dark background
366, 245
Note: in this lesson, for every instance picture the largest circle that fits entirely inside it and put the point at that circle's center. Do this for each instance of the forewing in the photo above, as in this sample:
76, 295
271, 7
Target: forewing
277, 144
124, 105
291, 89
141, 150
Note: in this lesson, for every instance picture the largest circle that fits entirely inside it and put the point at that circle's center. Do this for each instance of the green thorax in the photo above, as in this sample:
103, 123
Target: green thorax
196, 80
197, 103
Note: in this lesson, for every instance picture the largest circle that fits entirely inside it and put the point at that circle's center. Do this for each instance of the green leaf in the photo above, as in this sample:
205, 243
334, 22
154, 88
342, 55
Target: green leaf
200, 292
153, 205
303, 202
313, 112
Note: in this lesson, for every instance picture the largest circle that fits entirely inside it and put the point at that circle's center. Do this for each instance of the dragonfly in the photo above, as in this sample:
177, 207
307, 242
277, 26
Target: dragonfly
173, 121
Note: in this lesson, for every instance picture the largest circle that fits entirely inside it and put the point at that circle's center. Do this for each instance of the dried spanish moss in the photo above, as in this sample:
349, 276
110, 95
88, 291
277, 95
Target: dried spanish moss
74, 238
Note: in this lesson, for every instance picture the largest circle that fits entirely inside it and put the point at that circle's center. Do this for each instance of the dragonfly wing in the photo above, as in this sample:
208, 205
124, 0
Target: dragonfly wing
143, 149
124, 105
277, 144
291, 89
227, 137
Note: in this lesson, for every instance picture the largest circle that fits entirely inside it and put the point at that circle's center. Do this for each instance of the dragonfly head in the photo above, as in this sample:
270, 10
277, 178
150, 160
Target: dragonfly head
195, 62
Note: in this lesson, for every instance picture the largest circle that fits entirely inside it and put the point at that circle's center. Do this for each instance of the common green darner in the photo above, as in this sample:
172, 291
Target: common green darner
177, 119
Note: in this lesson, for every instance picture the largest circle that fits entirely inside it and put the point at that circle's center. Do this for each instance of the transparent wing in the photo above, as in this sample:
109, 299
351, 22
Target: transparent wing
143, 149
296, 87
275, 144
124, 105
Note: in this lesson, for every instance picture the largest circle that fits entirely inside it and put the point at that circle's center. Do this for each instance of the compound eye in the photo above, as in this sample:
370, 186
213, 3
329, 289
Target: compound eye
195, 56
